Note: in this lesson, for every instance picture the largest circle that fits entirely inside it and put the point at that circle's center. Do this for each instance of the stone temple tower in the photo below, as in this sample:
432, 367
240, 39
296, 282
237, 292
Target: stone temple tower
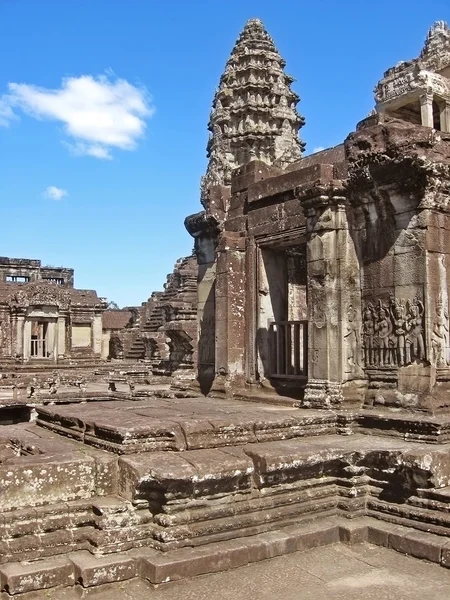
254, 113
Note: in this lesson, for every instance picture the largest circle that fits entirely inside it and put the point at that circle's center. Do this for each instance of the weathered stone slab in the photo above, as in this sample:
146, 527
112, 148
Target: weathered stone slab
18, 578
96, 570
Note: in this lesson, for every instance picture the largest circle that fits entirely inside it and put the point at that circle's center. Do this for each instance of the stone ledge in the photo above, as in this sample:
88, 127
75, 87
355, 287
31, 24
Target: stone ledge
18, 580
96, 570
158, 567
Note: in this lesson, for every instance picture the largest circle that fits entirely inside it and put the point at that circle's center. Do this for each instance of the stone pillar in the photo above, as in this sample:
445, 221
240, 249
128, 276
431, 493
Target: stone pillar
61, 337
204, 230
230, 310
51, 340
27, 340
20, 321
445, 117
97, 334
334, 301
426, 109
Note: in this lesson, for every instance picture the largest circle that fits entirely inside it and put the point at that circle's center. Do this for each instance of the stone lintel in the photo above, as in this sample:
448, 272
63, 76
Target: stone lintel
250, 173
287, 182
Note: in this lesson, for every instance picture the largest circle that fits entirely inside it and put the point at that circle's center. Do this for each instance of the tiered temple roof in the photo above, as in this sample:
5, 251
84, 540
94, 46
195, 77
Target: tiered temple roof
254, 113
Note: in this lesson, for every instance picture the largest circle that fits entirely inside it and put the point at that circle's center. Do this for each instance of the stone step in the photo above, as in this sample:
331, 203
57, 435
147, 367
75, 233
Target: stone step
88, 570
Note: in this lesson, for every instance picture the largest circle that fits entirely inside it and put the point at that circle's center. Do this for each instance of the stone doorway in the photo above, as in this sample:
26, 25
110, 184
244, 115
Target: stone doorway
41, 344
282, 327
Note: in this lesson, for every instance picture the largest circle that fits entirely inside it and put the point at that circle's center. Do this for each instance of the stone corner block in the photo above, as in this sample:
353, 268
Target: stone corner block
93, 570
18, 578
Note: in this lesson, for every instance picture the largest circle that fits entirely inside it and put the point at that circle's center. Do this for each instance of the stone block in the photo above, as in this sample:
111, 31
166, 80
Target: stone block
445, 555
315, 535
353, 532
158, 567
46, 479
18, 578
418, 544
93, 570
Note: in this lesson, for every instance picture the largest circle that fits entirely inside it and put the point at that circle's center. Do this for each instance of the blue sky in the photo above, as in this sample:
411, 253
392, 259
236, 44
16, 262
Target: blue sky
107, 193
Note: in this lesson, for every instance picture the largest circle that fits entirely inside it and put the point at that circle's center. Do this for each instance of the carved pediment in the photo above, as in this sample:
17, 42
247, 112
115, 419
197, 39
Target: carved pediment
39, 294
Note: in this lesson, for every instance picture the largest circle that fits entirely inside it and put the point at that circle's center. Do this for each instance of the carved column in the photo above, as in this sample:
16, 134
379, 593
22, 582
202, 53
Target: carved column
61, 337
426, 109
20, 321
334, 300
445, 117
27, 339
230, 310
97, 334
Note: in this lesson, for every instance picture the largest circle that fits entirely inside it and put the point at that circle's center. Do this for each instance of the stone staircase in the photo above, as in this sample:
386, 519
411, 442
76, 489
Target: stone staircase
167, 488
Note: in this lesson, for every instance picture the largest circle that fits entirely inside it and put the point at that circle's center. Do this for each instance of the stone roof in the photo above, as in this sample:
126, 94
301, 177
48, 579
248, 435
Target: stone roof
254, 113
116, 319
46, 293
329, 156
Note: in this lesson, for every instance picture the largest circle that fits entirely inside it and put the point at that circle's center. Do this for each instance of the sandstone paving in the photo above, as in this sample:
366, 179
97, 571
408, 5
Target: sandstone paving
361, 572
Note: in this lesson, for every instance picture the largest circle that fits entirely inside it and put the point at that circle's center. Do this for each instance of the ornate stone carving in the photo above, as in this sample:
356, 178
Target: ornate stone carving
38, 294
353, 338
254, 112
393, 333
440, 335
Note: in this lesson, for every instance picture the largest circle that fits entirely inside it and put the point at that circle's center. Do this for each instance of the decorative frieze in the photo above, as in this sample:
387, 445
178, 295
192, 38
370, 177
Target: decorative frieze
393, 333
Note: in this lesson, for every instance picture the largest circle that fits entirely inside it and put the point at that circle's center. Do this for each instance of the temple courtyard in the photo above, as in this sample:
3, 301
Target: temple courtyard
277, 420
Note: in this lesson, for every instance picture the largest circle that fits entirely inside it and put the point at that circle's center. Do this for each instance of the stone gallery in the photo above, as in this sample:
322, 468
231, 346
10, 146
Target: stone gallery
289, 388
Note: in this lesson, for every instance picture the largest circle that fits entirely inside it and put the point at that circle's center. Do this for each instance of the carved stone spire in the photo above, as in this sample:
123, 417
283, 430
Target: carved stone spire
254, 112
438, 39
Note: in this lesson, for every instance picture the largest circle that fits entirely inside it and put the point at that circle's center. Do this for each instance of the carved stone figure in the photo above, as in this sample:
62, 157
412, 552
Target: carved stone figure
440, 335
398, 311
352, 337
414, 339
393, 335
369, 335
384, 330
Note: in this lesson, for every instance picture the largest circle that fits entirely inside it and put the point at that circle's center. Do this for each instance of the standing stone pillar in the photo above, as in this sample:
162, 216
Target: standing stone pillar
20, 321
204, 229
61, 337
27, 339
445, 117
334, 300
51, 340
97, 334
426, 110
230, 311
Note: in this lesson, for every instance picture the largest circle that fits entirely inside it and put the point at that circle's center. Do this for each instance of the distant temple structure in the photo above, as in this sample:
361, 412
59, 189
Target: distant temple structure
43, 318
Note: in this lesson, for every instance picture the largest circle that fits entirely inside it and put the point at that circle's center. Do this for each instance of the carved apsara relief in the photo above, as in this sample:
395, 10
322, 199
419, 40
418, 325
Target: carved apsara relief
393, 333
352, 337
440, 335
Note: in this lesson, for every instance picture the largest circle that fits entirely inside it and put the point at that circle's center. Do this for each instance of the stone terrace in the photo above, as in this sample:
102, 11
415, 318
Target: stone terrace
141, 481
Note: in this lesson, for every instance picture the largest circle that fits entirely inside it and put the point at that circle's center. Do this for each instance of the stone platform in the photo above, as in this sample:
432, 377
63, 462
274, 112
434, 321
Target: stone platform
158, 476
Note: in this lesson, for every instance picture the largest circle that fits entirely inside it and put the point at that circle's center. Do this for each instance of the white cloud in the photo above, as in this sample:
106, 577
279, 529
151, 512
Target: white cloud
6, 113
98, 113
318, 149
54, 193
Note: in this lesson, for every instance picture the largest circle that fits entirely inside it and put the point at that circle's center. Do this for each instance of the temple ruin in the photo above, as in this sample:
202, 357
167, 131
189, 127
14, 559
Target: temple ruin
302, 354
